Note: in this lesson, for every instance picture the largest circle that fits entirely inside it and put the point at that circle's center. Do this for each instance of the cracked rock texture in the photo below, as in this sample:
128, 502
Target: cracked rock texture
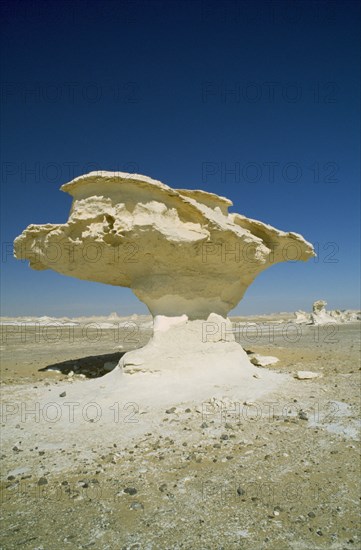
180, 251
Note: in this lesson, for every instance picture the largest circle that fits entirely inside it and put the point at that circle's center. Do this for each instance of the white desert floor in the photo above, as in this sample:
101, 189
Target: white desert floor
217, 455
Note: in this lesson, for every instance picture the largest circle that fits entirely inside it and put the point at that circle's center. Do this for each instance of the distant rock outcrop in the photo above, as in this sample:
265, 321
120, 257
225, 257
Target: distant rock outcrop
320, 316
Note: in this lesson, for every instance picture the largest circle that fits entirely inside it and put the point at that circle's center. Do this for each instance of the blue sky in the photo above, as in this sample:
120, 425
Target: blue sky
256, 101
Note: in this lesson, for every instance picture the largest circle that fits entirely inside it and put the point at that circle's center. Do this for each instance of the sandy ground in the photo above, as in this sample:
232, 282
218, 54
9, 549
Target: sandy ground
276, 472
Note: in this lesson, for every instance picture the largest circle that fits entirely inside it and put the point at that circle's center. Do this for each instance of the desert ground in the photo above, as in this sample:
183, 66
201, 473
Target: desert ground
277, 471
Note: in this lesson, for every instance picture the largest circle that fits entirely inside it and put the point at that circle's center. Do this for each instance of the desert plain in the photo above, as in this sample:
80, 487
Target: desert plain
270, 468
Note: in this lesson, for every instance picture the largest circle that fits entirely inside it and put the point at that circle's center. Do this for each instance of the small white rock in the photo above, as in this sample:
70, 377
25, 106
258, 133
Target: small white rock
262, 360
306, 374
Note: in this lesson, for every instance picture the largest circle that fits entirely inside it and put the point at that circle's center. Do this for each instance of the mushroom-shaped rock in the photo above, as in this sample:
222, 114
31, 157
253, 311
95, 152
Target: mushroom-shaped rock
180, 251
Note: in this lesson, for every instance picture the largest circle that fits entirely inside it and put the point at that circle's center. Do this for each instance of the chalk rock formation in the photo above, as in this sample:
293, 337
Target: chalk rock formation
320, 316
180, 251
319, 308
186, 258
302, 317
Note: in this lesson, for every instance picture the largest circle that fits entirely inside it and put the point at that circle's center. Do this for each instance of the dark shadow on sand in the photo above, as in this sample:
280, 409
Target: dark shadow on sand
92, 366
